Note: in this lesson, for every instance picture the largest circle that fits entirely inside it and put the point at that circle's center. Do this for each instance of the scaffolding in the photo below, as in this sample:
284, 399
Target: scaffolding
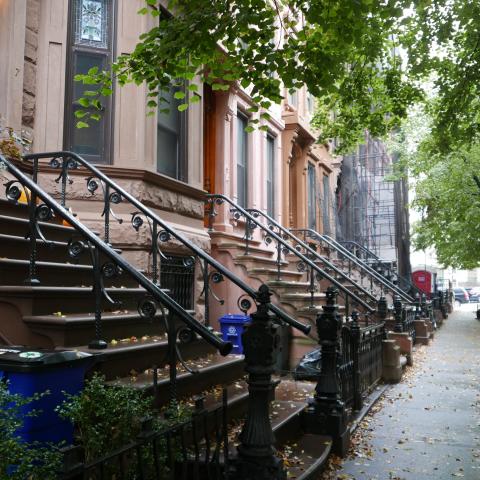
367, 203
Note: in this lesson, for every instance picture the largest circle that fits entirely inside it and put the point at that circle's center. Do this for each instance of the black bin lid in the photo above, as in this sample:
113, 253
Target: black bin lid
22, 359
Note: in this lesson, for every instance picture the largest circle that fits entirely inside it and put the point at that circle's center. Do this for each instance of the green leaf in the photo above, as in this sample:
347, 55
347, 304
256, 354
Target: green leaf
179, 95
182, 107
84, 102
81, 124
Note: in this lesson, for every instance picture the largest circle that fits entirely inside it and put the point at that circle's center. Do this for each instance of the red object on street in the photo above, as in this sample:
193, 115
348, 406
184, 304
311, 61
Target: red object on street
423, 279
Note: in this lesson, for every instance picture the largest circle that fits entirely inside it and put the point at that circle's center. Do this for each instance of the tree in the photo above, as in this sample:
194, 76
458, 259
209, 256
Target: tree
341, 50
442, 42
449, 198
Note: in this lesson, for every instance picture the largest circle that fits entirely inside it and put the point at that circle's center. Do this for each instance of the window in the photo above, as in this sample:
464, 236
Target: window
171, 137
310, 103
90, 45
270, 175
292, 98
326, 205
312, 193
242, 160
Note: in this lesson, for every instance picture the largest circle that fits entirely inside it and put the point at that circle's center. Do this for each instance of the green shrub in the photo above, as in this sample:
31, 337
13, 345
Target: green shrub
20, 460
106, 417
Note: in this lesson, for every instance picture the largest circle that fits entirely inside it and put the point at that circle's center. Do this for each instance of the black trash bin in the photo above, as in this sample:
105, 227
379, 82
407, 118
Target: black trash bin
29, 371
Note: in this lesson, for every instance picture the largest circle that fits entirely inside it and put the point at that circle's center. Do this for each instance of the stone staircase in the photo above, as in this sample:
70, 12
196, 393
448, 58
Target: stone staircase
58, 313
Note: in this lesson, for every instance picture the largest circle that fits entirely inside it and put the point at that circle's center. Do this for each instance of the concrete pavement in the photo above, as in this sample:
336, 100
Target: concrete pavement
428, 426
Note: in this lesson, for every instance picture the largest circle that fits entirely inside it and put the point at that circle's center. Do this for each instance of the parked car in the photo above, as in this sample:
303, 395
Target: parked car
474, 294
461, 295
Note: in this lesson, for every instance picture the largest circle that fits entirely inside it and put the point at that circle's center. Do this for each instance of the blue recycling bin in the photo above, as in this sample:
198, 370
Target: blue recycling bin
232, 327
29, 371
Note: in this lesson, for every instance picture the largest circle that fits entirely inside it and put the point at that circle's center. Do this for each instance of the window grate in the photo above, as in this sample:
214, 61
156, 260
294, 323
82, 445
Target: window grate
177, 274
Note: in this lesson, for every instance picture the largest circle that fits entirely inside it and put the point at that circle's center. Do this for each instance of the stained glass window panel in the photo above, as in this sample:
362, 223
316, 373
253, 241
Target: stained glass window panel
91, 23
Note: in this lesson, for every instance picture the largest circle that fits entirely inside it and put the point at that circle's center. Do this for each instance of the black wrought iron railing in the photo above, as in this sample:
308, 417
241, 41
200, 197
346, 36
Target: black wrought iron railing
66, 163
363, 267
383, 268
408, 319
196, 448
260, 340
360, 367
300, 250
42, 207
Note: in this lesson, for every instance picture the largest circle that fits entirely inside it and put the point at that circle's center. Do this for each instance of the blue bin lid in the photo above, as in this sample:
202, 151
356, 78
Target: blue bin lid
234, 318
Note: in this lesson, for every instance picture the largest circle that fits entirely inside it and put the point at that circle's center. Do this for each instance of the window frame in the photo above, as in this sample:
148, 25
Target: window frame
326, 204
270, 141
242, 117
311, 196
181, 166
70, 104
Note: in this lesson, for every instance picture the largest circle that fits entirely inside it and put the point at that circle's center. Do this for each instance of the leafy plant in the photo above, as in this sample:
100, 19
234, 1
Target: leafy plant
106, 417
20, 460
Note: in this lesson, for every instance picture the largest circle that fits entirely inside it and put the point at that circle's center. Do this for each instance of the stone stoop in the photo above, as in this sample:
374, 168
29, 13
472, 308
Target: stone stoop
405, 342
392, 362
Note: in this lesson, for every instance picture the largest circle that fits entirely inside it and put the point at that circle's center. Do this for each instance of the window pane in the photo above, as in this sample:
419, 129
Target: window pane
270, 174
84, 61
242, 146
91, 23
86, 141
312, 216
169, 135
326, 205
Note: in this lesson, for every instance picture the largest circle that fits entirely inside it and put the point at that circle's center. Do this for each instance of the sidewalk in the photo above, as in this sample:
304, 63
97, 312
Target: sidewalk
428, 426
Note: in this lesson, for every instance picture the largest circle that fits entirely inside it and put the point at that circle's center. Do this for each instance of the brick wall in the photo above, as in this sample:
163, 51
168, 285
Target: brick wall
30, 65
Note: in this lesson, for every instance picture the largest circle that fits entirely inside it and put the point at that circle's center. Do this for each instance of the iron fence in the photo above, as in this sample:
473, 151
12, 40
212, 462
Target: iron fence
408, 314
361, 361
193, 449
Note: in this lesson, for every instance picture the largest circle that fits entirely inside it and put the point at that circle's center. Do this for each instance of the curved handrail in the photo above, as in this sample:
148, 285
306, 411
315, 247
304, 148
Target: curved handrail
333, 243
223, 347
378, 259
306, 260
196, 250
307, 248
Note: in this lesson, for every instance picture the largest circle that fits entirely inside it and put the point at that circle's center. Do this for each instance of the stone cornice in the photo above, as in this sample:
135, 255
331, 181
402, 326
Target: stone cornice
154, 178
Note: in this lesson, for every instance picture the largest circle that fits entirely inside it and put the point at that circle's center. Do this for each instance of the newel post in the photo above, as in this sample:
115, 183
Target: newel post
326, 413
397, 307
256, 454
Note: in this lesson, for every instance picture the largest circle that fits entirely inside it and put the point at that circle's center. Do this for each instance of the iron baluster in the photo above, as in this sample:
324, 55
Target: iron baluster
256, 455
279, 260
154, 233
33, 226
64, 175
206, 292
247, 236
312, 288
172, 359
106, 211
98, 343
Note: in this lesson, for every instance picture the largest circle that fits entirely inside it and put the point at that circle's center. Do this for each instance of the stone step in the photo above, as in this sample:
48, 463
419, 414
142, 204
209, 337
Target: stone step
69, 330
126, 355
212, 370
47, 300
18, 247
15, 271
13, 225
